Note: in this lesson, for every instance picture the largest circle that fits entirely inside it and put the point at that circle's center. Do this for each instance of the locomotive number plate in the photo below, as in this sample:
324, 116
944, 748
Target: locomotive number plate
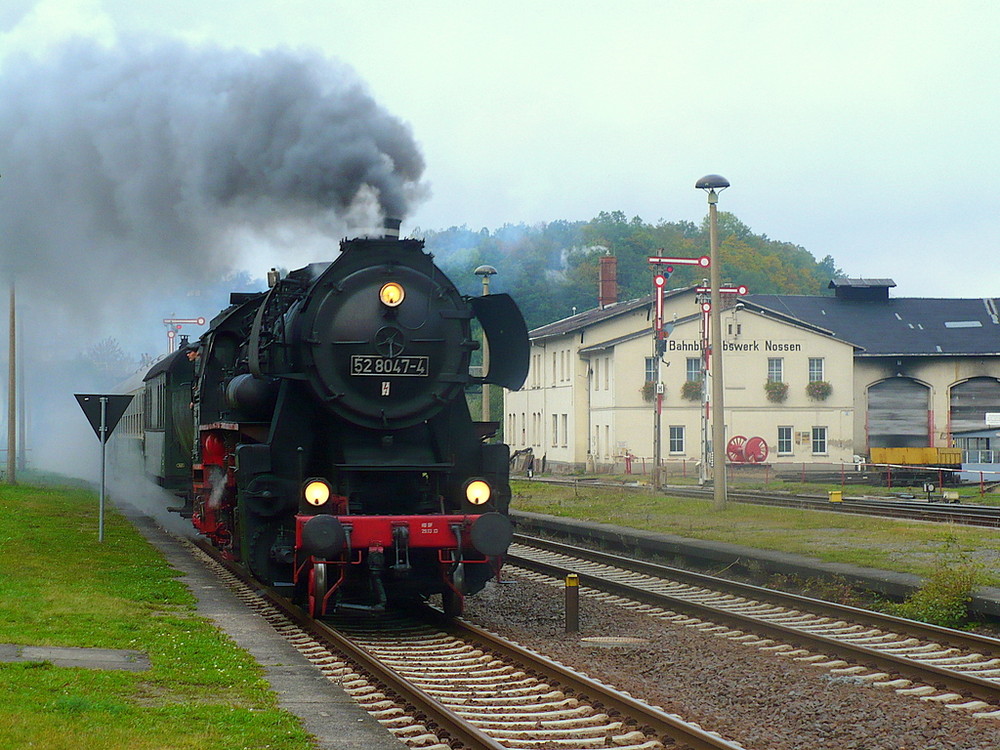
370, 364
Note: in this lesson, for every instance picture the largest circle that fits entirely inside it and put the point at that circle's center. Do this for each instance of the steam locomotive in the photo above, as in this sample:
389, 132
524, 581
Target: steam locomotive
322, 434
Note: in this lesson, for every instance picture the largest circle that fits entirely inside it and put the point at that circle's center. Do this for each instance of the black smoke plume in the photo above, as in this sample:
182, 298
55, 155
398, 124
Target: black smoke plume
127, 165
133, 173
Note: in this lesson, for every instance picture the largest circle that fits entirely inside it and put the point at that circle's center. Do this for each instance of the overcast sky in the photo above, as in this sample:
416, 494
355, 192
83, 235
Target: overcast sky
863, 130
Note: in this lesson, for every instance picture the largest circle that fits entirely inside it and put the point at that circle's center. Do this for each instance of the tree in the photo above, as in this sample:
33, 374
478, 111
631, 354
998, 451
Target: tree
552, 268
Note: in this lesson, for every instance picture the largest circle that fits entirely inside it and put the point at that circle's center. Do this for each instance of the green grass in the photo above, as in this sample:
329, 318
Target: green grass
905, 546
60, 587
759, 480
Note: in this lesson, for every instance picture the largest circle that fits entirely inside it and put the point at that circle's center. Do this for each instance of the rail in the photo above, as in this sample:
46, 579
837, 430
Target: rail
881, 642
450, 721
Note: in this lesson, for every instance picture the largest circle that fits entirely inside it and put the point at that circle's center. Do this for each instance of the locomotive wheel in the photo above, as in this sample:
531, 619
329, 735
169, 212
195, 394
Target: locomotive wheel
318, 586
734, 450
270, 555
756, 450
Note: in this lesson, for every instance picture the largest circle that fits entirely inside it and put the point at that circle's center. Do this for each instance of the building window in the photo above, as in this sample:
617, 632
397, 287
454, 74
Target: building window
565, 430
555, 430
819, 440
816, 369
775, 370
784, 441
676, 438
607, 441
553, 368
597, 373
607, 373
650, 369
693, 372
973, 443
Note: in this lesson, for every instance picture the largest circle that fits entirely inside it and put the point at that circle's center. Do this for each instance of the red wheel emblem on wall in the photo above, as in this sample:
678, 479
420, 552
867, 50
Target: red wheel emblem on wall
734, 450
739, 450
755, 451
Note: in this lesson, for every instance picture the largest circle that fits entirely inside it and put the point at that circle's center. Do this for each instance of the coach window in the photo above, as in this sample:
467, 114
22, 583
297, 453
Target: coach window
819, 440
775, 370
816, 369
784, 441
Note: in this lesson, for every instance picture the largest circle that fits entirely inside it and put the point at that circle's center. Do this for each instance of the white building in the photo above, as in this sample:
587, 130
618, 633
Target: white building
858, 370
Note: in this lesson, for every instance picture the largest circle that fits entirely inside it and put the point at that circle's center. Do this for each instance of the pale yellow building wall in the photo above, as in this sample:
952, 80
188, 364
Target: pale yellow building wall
606, 416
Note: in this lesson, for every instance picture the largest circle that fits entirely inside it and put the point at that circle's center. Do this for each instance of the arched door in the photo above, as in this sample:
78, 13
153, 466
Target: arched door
898, 414
970, 401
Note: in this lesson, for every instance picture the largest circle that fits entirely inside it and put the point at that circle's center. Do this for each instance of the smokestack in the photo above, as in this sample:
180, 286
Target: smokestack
391, 229
607, 291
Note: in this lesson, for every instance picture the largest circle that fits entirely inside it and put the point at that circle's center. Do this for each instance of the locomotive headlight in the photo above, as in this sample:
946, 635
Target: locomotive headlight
316, 492
477, 492
391, 294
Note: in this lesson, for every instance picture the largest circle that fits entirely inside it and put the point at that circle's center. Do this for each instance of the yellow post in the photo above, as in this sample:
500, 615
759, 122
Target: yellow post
572, 603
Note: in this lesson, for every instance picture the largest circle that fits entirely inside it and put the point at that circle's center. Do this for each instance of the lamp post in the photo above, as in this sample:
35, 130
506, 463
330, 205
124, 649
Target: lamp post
710, 184
485, 272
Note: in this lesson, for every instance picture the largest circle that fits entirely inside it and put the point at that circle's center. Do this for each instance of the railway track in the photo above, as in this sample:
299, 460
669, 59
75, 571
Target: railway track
968, 515
961, 670
440, 684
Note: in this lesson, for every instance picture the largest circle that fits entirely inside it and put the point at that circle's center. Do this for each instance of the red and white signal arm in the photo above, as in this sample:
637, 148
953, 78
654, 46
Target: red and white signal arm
741, 289
703, 262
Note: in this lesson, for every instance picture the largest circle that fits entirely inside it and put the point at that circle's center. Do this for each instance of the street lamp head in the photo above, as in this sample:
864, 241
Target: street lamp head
712, 182
485, 272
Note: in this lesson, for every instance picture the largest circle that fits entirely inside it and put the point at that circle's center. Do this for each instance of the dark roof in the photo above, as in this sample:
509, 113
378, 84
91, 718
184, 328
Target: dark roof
865, 283
611, 343
164, 364
897, 327
596, 315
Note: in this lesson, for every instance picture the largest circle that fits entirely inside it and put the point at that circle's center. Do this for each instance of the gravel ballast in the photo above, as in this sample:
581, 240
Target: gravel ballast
759, 699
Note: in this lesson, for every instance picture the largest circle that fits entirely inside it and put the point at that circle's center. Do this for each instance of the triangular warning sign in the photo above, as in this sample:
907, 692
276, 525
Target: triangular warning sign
91, 405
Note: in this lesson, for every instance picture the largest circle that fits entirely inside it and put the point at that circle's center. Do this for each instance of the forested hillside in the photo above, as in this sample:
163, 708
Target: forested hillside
550, 269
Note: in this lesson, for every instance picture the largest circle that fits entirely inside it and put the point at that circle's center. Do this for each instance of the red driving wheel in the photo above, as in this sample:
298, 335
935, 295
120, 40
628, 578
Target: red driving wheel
756, 450
734, 450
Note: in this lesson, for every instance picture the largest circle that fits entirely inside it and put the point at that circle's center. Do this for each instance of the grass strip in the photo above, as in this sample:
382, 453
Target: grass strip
60, 587
914, 547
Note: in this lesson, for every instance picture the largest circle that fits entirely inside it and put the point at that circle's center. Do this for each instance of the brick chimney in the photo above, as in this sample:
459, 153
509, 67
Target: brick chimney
607, 291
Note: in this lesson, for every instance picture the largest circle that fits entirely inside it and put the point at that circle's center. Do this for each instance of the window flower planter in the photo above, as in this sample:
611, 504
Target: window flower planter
691, 390
648, 391
819, 390
776, 391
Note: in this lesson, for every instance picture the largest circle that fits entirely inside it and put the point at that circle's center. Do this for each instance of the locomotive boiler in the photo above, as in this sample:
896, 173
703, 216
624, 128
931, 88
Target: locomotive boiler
335, 452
